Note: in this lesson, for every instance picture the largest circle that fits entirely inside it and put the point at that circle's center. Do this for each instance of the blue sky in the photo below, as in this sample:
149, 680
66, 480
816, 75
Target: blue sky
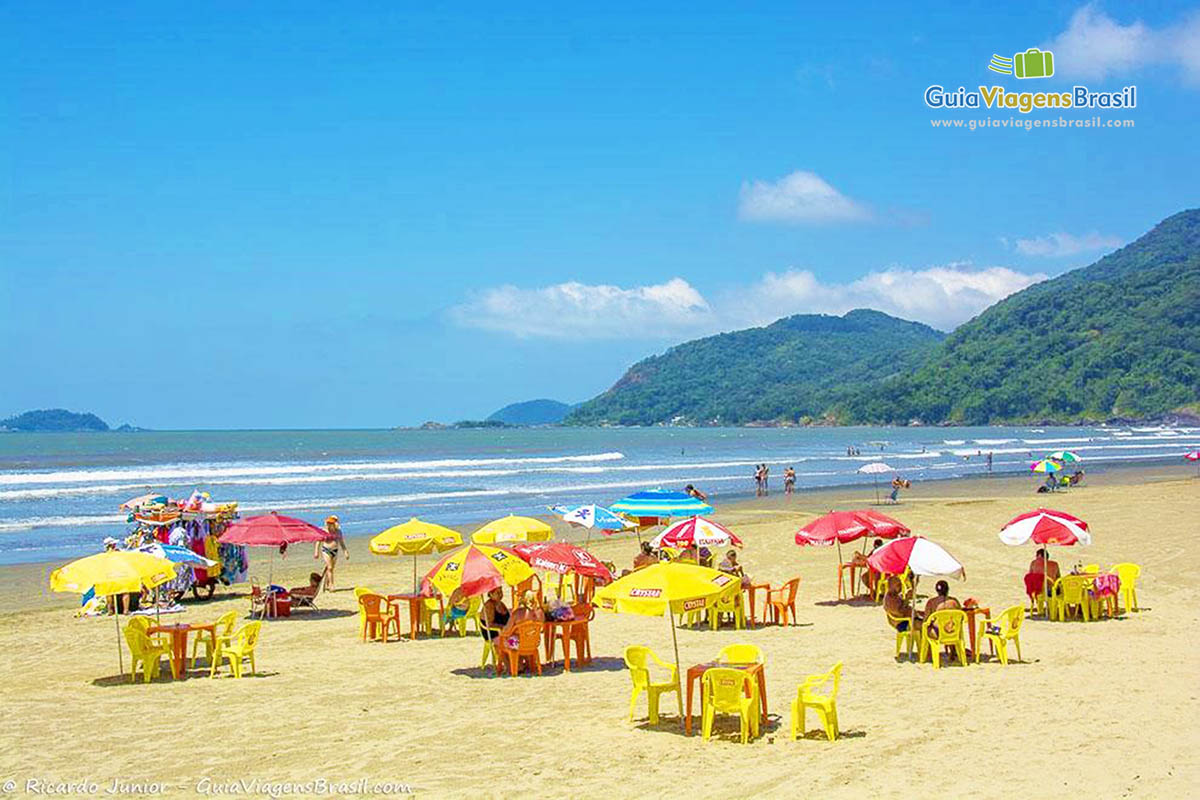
368, 215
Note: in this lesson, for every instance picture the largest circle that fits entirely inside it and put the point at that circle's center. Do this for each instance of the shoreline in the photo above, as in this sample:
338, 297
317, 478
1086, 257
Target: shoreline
27, 582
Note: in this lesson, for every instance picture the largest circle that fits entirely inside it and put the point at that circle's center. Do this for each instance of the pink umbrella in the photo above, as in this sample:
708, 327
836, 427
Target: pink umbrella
698, 532
562, 557
846, 526
1192, 456
272, 530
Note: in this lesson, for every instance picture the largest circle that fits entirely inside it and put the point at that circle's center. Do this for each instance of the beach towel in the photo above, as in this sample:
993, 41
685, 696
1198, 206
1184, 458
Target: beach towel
1034, 582
1105, 584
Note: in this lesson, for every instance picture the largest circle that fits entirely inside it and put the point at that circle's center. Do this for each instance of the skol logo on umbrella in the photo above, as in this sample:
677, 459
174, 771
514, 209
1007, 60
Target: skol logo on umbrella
1033, 63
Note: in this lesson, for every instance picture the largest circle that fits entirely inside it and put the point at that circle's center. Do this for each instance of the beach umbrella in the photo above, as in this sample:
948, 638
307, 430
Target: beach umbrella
134, 503
1044, 526
113, 572
661, 503
668, 588
513, 529
838, 527
413, 538
924, 557
1065, 456
592, 517
177, 554
1194, 456
477, 569
698, 532
1046, 465
272, 530
562, 557
875, 469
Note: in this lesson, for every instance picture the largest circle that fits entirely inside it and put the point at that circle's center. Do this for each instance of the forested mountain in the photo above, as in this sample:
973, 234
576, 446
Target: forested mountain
532, 412
793, 369
53, 419
1120, 338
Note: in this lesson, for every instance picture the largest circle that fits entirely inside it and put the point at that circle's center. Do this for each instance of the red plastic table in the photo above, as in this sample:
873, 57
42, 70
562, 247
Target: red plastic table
415, 601
179, 635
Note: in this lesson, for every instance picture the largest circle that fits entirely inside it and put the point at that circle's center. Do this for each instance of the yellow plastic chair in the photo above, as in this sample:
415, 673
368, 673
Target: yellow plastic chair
241, 648
945, 628
472, 615
144, 653
730, 691
908, 638
432, 607
362, 613
729, 604
1072, 598
222, 630
638, 659
881, 585
1000, 631
1092, 569
1128, 574
143, 624
741, 654
818, 692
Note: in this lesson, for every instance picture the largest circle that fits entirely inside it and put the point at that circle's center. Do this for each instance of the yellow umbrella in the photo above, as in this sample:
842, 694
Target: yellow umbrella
413, 538
513, 529
667, 587
476, 569
113, 572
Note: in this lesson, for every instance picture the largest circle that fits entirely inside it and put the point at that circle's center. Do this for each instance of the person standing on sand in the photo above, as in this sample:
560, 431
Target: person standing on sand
329, 549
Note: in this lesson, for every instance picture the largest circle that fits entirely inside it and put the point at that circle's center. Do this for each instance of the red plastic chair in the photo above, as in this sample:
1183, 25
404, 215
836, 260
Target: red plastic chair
527, 647
379, 617
783, 600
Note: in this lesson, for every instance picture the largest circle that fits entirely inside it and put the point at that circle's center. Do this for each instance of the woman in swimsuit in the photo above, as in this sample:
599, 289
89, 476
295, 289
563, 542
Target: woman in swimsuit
495, 619
330, 548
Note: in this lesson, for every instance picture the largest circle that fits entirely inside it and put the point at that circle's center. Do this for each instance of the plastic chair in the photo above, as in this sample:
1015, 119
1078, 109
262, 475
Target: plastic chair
143, 624
472, 615
524, 586
222, 629
730, 691
945, 628
817, 693
638, 659
580, 633
1072, 598
241, 648
430, 607
527, 649
489, 646
379, 617
1091, 569
362, 617
782, 600
908, 638
741, 654
730, 604
144, 652
1034, 590
1002, 630
882, 583
1128, 574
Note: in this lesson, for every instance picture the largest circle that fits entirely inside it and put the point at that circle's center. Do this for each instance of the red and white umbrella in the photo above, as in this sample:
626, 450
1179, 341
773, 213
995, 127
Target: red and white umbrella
844, 527
562, 557
698, 532
922, 556
1046, 526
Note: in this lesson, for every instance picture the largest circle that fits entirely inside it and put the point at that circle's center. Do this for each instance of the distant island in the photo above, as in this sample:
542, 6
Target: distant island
532, 412
1118, 340
53, 420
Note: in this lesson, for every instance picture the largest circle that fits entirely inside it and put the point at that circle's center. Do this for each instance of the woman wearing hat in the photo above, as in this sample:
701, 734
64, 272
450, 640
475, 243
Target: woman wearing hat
335, 543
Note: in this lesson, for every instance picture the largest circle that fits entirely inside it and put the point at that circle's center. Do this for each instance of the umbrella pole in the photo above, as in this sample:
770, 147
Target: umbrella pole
912, 622
675, 642
876, 490
117, 617
416, 588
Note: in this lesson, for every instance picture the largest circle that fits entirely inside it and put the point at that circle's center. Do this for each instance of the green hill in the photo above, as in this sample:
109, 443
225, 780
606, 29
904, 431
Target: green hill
793, 369
532, 412
1120, 338
53, 419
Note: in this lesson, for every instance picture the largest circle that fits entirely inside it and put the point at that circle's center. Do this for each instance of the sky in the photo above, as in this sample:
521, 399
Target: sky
313, 215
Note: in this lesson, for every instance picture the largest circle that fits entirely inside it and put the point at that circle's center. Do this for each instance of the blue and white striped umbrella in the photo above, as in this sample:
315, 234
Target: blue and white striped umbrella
661, 503
592, 516
178, 555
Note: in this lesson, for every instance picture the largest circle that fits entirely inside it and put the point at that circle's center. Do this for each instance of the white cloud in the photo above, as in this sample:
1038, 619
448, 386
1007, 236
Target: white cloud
942, 296
1095, 46
802, 197
580, 310
1065, 244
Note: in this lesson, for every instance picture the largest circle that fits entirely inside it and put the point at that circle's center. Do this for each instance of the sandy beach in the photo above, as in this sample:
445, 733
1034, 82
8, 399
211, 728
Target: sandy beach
1108, 708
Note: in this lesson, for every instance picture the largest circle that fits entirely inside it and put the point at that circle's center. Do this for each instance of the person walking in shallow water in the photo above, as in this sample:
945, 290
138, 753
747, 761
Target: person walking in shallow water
789, 480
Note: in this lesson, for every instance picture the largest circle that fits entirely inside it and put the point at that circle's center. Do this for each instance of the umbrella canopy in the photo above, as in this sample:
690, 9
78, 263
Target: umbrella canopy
1046, 465
1065, 456
664, 587
661, 503
1045, 526
696, 531
134, 503
875, 468
272, 530
476, 569
562, 557
414, 537
1193, 456
513, 529
846, 526
112, 572
922, 556
592, 516
177, 555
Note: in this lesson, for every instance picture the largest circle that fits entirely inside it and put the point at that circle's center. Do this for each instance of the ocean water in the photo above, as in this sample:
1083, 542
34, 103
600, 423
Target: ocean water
59, 493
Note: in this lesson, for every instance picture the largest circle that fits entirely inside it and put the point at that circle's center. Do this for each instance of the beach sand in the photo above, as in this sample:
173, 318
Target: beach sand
1107, 709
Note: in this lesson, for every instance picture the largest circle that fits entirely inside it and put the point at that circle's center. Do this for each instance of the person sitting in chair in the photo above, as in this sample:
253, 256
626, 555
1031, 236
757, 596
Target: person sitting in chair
305, 595
898, 607
941, 601
1044, 566
644, 558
